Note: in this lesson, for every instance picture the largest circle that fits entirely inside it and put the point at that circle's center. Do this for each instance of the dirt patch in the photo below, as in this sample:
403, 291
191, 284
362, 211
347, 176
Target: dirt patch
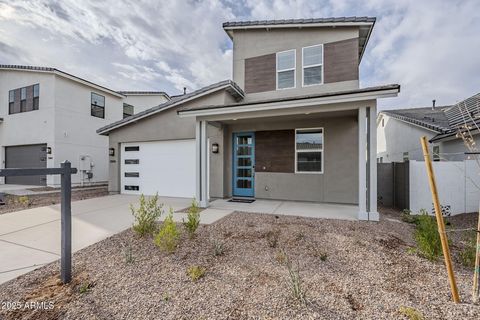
348, 270
17, 203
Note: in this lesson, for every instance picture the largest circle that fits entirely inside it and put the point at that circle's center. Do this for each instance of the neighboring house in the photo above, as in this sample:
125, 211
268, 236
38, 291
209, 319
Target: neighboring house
292, 125
48, 116
138, 101
399, 131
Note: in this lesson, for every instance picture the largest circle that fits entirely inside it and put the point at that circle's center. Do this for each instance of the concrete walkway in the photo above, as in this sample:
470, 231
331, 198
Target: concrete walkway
31, 238
292, 208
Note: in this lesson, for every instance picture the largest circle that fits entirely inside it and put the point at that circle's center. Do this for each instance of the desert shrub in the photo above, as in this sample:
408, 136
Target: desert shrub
427, 237
408, 217
85, 287
24, 200
323, 256
410, 313
281, 257
218, 248
146, 215
193, 219
196, 272
295, 282
168, 235
468, 253
272, 238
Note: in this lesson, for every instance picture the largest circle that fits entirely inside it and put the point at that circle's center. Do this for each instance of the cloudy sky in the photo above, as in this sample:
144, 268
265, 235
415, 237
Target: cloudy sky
431, 48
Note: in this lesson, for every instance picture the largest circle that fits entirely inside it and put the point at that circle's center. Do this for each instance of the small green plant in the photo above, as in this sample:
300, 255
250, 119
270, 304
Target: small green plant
272, 237
295, 281
193, 219
166, 297
299, 236
146, 215
408, 217
128, 254
468, 253
411, 313
196, 272
281, 257
427, 237
168, 235
24, 201
85, 287
218, 248
323, 256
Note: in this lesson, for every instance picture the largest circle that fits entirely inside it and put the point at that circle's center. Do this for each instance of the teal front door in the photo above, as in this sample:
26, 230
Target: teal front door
243, 164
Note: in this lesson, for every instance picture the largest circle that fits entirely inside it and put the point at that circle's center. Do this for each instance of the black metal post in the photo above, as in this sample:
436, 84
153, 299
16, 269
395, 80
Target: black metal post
66, 223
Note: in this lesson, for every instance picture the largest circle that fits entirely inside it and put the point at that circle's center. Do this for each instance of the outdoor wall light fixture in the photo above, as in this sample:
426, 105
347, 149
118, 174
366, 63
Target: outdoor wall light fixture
215, 148
111, 152
49, 150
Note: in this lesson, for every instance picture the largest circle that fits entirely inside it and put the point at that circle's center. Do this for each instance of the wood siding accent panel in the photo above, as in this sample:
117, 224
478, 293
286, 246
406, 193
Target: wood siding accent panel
260, 73
341, 60
275, 151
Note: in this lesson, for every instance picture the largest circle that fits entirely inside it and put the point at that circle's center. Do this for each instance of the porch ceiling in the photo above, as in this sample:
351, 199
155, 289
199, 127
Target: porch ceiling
293, 117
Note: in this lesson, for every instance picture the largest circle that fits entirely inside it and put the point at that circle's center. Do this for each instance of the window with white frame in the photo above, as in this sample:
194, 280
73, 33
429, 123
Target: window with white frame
309, 150
312, 65
286, 69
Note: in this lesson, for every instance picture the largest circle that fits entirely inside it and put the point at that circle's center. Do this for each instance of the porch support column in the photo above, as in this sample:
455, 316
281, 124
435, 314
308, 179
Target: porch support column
362, 164
372, 164
201, 163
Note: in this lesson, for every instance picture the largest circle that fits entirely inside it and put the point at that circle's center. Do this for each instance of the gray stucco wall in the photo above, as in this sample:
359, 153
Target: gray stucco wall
254, 43
338, 183
454, 149
166, 125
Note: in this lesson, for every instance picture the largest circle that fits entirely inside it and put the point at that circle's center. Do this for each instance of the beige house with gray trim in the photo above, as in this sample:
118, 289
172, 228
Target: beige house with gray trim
293, 124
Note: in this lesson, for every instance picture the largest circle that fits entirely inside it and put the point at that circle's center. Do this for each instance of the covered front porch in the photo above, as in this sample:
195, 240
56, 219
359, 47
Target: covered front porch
314, 156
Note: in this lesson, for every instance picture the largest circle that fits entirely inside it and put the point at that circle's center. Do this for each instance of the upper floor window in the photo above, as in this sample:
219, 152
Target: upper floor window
312, 65
286, 69
23, 99
128, 110
98, 106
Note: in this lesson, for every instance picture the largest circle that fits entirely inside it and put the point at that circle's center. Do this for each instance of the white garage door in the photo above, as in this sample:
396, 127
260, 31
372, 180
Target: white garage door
166, 167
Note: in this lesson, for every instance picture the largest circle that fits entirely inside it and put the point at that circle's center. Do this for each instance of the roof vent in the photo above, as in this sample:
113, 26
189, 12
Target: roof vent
184, 90
433, 104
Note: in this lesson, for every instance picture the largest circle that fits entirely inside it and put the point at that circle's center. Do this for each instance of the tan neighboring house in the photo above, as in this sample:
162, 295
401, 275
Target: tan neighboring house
293, 124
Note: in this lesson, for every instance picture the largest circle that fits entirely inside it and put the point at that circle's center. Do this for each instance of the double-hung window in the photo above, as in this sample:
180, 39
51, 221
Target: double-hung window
286, 69
98, 106
312, 65
309, 150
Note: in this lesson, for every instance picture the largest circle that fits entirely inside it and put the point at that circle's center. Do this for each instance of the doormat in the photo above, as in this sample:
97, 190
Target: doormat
242, 200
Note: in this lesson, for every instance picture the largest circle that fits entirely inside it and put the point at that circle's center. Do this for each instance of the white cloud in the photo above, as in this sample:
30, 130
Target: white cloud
429, 47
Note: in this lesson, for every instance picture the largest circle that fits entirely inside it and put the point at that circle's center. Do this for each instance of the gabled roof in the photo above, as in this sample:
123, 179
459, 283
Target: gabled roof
227, 85
60, 73
328, 97
365, 25
446, 121
433, 119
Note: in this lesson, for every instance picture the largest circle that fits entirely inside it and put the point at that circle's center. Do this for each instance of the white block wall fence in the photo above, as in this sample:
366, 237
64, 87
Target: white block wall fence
458, 184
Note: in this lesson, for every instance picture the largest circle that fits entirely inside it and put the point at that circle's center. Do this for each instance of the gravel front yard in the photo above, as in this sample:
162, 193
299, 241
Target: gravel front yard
16, 203
349, 270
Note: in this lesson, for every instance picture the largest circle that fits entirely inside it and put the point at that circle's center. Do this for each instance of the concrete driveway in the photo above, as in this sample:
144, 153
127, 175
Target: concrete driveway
31, 238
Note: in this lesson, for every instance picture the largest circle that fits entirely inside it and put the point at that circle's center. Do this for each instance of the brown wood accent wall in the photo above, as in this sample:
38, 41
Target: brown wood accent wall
341, 60
16, 101
29, 98
275, 151
260, 73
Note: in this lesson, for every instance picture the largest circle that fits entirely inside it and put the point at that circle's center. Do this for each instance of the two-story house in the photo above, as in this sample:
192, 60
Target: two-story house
48, 116
292, 125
